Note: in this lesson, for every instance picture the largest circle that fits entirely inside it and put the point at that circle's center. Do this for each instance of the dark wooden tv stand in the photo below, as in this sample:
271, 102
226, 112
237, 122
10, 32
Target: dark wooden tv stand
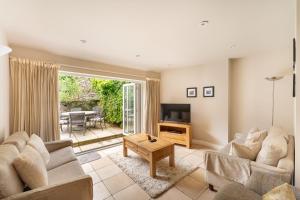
178, 133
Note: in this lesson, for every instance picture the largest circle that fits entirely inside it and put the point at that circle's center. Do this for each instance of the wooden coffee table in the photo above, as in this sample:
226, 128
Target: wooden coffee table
151, 151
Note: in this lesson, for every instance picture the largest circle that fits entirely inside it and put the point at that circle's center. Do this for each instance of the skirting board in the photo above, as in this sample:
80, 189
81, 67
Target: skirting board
207, 144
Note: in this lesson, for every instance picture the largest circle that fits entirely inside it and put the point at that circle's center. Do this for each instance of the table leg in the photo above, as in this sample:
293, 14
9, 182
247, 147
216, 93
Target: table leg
152, 168
124, 149
172, 157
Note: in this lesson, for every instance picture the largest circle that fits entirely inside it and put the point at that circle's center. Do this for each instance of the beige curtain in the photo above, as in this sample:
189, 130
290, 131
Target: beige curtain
152, 101
34, 98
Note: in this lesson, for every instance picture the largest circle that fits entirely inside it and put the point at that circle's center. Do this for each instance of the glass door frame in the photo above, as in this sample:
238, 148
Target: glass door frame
125, 108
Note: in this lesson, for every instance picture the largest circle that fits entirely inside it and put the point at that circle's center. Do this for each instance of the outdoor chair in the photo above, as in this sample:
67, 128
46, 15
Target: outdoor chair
78, 120
64, 121
99, 117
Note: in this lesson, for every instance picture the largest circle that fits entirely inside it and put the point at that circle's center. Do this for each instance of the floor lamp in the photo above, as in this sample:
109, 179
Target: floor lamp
273, 79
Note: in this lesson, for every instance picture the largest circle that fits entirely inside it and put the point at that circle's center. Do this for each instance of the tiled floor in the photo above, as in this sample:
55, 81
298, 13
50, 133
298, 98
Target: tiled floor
110, 183
91, 134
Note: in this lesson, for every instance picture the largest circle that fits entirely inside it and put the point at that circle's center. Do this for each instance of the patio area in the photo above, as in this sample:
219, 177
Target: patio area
93, 138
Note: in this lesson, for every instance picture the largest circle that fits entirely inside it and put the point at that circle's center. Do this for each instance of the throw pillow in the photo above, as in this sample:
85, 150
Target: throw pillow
10, 183
37, 143
256, 136
276, 131
31, 168
284, 191
251, 146
19, 139
274, 148
243, 151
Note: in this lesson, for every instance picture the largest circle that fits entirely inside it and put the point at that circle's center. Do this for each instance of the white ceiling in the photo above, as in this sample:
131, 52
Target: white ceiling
165, 33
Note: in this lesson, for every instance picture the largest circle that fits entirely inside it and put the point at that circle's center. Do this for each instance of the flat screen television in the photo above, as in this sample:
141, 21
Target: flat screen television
175, 113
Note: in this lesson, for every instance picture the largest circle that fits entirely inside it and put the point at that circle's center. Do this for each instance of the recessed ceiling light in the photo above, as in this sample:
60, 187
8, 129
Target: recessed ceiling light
232, 46
137, 55
204, 22
83, 41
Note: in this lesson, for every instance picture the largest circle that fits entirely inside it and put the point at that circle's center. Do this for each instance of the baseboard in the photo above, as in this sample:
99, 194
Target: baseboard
207, 144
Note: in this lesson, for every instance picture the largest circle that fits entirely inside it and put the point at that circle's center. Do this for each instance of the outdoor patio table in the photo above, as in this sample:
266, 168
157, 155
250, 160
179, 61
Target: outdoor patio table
88, 113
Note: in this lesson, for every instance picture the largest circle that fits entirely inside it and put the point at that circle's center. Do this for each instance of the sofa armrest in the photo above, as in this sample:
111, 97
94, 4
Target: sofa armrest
230, 167
59, 144
288, 162
80, 188
270, 171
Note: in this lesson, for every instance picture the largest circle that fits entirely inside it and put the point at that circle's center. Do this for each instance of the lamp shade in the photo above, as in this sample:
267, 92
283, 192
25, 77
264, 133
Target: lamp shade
274, 78
4, 50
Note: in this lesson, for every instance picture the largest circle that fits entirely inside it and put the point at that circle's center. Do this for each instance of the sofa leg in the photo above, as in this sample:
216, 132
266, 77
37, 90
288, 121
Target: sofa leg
211, 188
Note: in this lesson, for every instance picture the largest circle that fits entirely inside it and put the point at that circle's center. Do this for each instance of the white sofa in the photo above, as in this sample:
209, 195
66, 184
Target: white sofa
66, 178
284, 170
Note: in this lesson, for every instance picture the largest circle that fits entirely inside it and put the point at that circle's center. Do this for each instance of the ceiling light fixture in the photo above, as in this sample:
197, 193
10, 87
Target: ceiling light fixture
83, 41
137, 55
232, 46
203, 22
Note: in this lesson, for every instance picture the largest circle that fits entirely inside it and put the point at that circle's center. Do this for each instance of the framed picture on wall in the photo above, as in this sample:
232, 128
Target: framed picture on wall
191, 92
209, 91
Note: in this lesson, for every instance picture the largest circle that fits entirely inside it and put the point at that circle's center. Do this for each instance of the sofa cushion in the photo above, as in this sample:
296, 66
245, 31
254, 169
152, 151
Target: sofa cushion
64, 172
19, 139
273, 149
37, 143
60, 157
31, 168
236, 191
10, 183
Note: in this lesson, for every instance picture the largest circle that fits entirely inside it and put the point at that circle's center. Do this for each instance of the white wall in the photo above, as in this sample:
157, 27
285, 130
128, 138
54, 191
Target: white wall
4, 92
243, 97
251, 94
209, 115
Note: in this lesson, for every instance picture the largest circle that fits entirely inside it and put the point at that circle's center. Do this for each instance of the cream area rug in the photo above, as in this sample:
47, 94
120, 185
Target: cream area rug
138, 170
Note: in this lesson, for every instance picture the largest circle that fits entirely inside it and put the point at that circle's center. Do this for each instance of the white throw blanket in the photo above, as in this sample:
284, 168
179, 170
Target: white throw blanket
232, 168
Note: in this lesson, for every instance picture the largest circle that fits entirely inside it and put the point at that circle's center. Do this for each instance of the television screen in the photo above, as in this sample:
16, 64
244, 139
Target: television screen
175, 112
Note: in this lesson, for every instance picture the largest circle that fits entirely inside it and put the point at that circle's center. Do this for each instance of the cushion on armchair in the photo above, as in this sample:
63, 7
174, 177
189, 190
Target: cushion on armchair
251, 147
256, 136
274, 148
243, 151
279, 132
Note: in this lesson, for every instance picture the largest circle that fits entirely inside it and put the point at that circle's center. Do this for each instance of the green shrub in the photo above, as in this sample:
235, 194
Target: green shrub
69, 88
84, 92
110, 93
